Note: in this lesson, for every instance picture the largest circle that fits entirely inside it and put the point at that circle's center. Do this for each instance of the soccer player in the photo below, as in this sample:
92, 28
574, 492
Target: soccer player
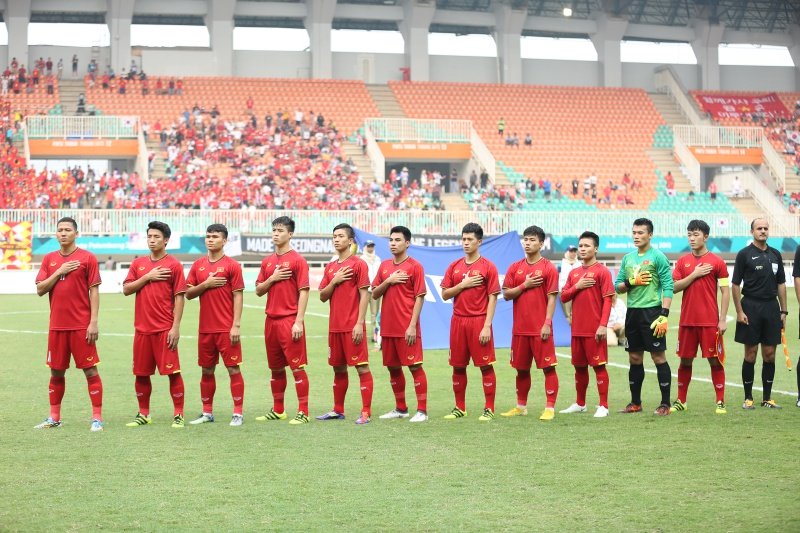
283, 277
590, 289
703, 320
645, 276
473, 283
759, 316
401, 283
71, 279
532, 284
159, 285
345, 284
217, 280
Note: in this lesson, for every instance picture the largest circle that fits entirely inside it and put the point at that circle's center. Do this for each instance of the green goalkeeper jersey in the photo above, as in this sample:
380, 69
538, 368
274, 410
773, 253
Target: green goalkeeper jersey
654, 261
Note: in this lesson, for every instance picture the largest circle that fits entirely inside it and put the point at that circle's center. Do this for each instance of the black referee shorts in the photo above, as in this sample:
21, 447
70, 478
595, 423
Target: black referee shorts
765, 323
638, 335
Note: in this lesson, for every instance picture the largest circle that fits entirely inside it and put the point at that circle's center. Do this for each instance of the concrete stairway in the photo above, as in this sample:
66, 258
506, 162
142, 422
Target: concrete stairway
384, 99
68, 91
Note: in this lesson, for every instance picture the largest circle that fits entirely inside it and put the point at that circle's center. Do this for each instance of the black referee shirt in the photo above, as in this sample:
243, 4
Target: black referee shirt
761, 271
796, 266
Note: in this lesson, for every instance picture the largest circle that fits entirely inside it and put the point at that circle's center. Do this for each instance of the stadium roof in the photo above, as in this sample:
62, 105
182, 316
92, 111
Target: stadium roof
758, 17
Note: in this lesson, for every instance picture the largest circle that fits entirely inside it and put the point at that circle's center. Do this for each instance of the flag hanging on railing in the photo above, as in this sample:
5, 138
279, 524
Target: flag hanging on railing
16, 243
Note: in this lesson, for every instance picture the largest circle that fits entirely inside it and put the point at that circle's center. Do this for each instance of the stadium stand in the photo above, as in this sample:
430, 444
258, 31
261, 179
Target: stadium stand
576, 131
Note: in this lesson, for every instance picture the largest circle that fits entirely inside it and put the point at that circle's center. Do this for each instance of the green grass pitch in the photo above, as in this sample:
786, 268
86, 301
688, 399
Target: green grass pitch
690, 471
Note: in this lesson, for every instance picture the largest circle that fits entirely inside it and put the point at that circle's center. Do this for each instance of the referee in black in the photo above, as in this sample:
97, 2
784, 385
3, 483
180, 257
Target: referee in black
759, 316
796, 276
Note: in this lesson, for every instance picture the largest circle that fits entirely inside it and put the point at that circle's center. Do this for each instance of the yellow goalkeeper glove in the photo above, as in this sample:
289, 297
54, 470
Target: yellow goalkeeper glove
659, 327
643, 277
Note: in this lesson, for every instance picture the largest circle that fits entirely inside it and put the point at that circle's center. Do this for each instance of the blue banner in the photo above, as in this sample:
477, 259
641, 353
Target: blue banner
502, 250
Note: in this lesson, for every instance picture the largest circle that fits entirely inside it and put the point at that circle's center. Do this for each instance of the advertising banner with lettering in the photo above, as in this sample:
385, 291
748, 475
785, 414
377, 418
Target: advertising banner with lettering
16, 244
722, 105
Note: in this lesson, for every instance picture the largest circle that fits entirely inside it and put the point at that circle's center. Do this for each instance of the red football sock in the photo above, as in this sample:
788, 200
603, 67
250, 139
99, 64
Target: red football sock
144, 388
420, 387
460, 387
551, 386
301, 386
340, 383
489, 386
176, 390
278, 386
237, 392
208, 386
601, 374
523, 387
718, 379
56, 393
95, 385
398, 382
684, 378
581, 384
366, 392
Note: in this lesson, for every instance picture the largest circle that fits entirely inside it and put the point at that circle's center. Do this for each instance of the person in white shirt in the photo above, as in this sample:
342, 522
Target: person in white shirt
616, 322
569, 263
373, 264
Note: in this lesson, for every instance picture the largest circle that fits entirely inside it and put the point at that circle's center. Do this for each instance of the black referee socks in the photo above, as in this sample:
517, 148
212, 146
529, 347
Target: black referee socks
767, 377
748, 375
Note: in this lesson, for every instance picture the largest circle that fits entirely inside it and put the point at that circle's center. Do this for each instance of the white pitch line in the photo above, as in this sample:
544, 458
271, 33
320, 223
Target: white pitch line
130, 335
705, 380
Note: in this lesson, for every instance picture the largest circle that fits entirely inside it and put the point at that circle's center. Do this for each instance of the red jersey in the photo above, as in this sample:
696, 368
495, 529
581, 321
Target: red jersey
216, 305
155, 302
699, 306
282, 296
530, 307
398, 301
475, 300
590, 306
346, 296
69, 298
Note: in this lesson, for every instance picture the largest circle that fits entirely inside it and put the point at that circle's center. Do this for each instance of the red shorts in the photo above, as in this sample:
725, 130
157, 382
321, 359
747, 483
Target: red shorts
465, 345
343, 351
706, 337
586, 351
397, 352
282, 350
60, 344
150, 350
211, 345
528, 348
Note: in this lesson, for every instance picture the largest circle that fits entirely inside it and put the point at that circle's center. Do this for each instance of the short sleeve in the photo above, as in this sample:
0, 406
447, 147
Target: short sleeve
178, 279
92, 271
44, 271
447, 280
262, 272
326, 277
191, 279
420, 287
301, 274
553, 278
780, 275
738, 267
131, 277
492, 279
722, 269
511, 277
607, 285
362, 271
379, 278
237, 280
678, 273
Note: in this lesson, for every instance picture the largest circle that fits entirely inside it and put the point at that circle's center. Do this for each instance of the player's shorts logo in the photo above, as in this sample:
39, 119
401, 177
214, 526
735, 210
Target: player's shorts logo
296, 360
234, 357
90, 358
547, 359
354, 358
169, 366
485, 357
596, 358
410, 357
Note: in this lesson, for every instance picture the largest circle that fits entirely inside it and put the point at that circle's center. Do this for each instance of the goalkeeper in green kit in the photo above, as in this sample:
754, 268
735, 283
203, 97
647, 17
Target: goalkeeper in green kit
645, 275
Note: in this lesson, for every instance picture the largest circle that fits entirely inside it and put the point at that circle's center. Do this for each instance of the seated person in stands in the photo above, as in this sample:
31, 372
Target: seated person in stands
528, 139
81, 104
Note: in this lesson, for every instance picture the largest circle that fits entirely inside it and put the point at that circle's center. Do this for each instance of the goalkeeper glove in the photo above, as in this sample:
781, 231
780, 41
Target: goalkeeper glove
659, 326
643, 277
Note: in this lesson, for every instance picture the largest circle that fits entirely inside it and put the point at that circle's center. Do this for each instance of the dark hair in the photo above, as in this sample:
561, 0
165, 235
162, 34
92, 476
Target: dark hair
347, 229
160, 226
284, 221
698, 225
472, 227
534, 231
218, 228
644, 222
591, 235
68, 220
401, 229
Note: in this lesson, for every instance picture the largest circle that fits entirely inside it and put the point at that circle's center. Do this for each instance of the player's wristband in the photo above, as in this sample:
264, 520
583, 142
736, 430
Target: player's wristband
548, 321
785, 313
664, 311
627, 283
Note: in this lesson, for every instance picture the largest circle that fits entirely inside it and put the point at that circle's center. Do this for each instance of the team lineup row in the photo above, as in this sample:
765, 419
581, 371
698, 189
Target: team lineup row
70, 277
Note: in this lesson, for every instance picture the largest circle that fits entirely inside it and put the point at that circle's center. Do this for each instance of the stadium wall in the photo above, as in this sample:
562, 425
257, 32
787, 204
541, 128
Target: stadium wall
386, 67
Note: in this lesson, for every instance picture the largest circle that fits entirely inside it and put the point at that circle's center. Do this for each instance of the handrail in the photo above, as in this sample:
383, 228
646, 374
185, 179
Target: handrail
483, 155
688, 161
376, 158
82, 127
774, 163
419, 130
666, 79
736, 137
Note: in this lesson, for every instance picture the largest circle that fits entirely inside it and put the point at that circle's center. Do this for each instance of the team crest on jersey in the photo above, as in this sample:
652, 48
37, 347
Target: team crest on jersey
476, 272
285, 264
220, 269
646, 262
538, 272
590, 274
